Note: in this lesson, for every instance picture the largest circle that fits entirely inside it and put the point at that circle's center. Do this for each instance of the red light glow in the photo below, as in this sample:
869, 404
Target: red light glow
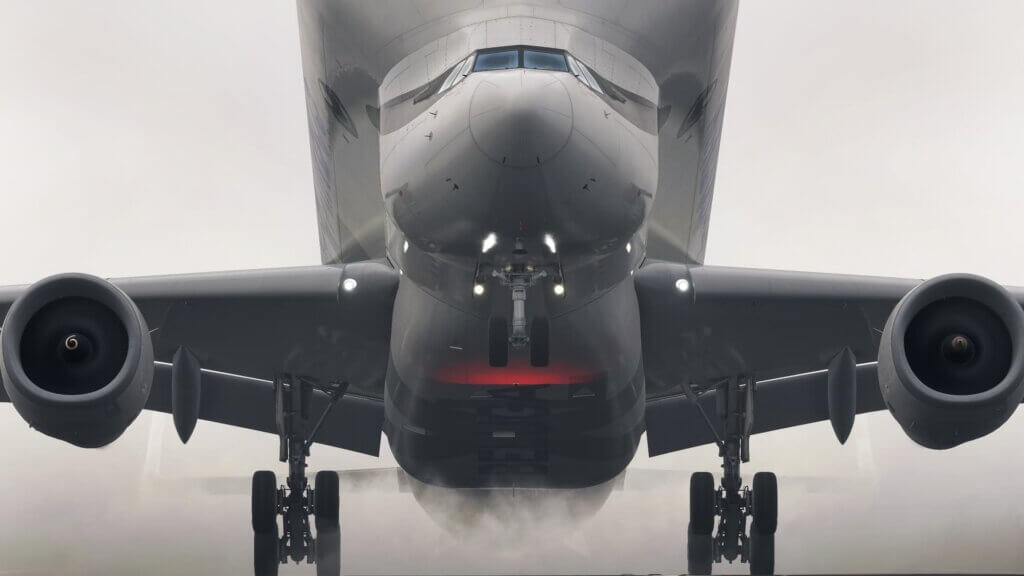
515, 374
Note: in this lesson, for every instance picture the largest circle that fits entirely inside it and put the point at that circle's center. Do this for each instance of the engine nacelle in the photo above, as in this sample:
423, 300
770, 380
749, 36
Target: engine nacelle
76, 359
951, 360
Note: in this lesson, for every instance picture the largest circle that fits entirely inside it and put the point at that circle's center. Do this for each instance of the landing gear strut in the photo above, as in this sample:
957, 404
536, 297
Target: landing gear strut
518, 274
732, 502
296, 501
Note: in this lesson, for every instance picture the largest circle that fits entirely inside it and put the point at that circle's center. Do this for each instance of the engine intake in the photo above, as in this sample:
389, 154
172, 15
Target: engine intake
76, 359
951, 360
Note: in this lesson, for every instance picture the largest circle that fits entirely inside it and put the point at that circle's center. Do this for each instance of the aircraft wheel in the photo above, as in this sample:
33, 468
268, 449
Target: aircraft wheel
265, 558
328, 551
762, 552
702, 502
539, 342
699, 551
264, 502
326, 504
766, 503
498, 341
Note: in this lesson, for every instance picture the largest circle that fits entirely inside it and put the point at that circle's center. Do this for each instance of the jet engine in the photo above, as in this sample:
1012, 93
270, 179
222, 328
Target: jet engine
76, 359
951, 360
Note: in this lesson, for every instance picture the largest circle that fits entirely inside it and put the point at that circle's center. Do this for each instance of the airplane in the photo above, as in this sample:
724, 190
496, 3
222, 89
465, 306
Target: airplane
513, 202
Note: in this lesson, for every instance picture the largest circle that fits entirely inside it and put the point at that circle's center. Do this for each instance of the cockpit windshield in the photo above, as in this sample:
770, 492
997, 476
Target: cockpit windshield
544, 60
497, 60
512, 57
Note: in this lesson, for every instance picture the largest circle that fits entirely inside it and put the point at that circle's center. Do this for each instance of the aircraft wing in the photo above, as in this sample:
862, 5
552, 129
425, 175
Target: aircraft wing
246, 327
781, 328
768, 323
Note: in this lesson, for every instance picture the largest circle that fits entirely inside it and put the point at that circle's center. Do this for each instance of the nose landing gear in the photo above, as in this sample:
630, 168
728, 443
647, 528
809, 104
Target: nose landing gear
519, 272
296, 501
732, 502
518, 278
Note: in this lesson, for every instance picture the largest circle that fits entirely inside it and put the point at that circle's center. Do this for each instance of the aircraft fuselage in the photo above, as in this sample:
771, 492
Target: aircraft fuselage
518, 195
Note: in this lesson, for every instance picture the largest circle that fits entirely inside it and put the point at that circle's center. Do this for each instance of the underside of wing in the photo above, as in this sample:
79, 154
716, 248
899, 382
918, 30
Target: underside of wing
82, 356
779, 349
353, 423
262, 323
766, 323
675, 423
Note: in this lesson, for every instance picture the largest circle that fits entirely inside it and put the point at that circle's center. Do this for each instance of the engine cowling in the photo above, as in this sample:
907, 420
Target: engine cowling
76, 359
951, 360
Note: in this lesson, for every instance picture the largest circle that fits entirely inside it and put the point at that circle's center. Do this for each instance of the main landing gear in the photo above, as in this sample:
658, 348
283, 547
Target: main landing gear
732, 502
296, 501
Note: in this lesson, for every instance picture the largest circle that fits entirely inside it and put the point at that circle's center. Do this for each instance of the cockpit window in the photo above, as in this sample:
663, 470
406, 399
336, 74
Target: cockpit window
591, 81
574, 67
581, 71
450, 80
500, 60
511, 57
467, 66
459, 71
544, 60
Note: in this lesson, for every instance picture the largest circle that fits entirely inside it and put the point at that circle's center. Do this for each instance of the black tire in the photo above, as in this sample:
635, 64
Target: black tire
498, 341
328, 552
265, 560
766, 502
762, 553
264, 502
699, 552
326, 503
540, 350
702, 503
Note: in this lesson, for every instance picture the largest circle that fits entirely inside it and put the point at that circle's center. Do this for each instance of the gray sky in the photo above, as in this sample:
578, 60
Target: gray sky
876, 137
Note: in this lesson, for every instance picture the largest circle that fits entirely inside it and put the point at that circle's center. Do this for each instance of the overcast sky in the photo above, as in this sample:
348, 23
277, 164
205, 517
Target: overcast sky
878, 137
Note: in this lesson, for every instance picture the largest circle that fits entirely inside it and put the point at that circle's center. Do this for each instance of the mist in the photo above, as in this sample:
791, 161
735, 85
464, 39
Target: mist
860, 137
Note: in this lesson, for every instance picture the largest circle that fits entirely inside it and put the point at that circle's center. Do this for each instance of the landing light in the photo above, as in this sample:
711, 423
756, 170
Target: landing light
349, 284
559, 289
629, 247
405, 246
549, 241
683, 285
478, 289
489, 242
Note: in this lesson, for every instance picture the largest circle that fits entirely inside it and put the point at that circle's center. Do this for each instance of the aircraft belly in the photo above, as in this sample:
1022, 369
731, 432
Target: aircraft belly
452, 419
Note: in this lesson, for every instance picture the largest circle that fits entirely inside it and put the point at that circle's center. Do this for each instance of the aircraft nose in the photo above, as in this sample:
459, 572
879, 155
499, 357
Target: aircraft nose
520, 118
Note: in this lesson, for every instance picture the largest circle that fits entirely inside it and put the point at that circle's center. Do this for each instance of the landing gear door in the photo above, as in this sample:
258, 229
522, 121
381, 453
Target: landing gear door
748, 418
